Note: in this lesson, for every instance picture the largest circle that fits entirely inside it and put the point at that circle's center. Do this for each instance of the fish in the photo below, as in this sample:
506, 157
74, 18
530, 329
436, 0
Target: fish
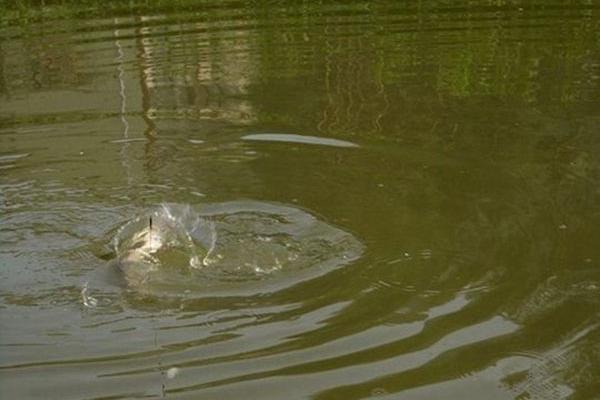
159, 241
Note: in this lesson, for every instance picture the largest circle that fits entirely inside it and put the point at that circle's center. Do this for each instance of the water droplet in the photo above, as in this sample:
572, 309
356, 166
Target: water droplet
378, 392
172, 372
88, 300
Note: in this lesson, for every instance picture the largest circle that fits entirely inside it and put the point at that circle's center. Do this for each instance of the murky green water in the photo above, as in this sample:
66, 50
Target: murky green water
434, 165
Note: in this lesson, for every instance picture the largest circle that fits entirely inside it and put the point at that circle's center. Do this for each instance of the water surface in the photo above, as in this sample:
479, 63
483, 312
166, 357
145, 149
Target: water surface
457, 144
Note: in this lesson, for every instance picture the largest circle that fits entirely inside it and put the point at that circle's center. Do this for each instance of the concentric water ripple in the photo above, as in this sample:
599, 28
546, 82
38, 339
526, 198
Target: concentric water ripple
243, 247
424, 219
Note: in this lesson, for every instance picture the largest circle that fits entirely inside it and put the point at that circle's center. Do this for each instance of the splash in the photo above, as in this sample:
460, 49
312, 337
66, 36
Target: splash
244, 246
159, 240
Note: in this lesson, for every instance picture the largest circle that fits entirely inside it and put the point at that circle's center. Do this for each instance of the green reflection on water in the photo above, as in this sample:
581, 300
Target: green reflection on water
473, 184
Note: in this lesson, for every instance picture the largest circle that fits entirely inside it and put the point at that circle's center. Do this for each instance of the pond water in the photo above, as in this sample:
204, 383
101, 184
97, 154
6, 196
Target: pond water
433, 165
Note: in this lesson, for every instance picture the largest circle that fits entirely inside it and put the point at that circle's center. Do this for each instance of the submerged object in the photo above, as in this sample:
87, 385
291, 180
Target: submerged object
241, 247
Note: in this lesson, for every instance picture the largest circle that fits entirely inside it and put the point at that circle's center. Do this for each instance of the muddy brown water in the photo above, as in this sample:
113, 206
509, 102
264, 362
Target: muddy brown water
456, 145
